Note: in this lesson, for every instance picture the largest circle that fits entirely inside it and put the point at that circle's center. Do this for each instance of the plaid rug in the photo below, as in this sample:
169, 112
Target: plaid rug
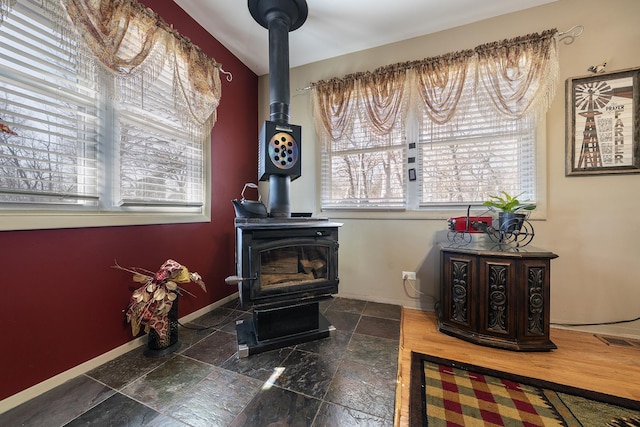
448, 393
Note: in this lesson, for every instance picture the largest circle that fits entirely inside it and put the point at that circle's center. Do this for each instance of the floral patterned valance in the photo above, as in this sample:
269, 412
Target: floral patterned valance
131, 44
517, 76
134, 43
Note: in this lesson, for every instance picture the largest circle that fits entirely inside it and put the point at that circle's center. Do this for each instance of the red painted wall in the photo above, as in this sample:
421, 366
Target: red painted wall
61, 304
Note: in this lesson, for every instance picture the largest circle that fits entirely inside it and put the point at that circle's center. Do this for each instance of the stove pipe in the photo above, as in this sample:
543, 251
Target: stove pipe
279, 17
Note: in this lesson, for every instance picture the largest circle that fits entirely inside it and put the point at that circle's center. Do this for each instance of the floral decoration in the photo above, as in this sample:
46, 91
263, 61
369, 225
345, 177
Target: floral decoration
150, 304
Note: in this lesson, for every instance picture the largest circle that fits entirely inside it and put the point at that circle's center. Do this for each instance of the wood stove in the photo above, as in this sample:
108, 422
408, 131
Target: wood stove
285, 264
286, 267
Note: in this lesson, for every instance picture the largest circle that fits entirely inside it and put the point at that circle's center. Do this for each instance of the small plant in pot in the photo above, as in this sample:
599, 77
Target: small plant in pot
510, 217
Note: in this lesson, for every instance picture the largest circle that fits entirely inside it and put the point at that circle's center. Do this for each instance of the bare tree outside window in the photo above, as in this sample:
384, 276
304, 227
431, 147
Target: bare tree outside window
367, 170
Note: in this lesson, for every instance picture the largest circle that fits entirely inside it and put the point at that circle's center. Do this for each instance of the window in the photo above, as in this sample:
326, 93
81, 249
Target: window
50, 101
159, 164
473, 163
461, 162
364, 170
457, 163
457, 128
476, 153
88, 142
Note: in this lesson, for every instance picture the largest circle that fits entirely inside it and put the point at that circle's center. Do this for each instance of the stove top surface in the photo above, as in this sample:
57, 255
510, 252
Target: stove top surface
293, 221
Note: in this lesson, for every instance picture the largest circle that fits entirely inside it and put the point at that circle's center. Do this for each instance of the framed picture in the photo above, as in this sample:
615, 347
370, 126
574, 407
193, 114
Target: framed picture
603, 124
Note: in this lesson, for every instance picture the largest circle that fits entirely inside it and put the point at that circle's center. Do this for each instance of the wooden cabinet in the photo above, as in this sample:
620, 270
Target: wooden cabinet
496, 295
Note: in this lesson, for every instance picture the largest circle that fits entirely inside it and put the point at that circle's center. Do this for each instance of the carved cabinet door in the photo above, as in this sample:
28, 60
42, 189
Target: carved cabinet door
498, 297
534, 314
458, 291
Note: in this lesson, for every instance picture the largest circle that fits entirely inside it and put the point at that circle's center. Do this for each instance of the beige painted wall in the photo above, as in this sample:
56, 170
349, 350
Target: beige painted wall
590, 221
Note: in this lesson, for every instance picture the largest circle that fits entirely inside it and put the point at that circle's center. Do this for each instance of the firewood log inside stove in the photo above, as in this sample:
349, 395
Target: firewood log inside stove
286, 267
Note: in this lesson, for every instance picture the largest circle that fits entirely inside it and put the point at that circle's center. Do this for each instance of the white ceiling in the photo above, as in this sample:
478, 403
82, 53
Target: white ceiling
338, 27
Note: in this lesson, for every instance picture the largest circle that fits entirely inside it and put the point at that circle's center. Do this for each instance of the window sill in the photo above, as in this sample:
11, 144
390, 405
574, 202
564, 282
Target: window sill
30, 220
438, 214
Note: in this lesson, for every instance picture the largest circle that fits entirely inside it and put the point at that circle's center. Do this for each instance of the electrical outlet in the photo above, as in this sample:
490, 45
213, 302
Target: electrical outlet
408, 275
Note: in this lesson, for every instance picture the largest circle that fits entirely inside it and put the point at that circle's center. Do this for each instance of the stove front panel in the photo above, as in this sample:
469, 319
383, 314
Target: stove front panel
282, 265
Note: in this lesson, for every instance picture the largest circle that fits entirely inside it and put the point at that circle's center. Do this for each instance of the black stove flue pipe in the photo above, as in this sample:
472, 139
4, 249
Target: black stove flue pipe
279, 17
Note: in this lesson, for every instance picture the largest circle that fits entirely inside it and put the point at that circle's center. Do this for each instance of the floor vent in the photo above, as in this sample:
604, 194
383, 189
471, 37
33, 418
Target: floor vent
619, 341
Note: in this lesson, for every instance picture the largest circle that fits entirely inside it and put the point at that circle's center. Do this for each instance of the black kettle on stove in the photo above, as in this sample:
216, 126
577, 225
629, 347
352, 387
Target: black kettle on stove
249, 208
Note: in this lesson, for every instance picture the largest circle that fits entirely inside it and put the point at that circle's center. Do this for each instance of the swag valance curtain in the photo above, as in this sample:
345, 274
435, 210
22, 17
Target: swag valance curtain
132, 44
516, 76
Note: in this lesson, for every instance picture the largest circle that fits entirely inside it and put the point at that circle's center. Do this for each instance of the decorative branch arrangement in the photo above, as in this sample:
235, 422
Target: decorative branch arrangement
150, 303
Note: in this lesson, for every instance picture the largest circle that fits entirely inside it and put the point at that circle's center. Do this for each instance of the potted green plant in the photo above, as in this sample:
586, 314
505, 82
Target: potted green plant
154, 305
510, 218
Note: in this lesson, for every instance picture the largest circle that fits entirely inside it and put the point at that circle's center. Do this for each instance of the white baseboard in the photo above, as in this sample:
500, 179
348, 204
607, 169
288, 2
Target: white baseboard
40, 388
426, 303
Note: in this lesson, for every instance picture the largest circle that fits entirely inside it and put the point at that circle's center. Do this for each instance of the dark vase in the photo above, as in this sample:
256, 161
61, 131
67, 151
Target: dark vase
511, 222
157, 347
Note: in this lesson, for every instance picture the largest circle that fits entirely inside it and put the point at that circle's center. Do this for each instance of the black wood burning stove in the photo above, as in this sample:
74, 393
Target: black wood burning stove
285, 264
286, 268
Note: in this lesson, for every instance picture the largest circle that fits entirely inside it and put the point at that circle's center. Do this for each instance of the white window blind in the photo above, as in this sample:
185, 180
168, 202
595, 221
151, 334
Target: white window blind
48, 98
161, 158
476, 154
364, 170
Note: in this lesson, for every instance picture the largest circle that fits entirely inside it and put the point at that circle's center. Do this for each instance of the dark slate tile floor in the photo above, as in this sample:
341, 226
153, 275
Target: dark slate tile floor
348, 379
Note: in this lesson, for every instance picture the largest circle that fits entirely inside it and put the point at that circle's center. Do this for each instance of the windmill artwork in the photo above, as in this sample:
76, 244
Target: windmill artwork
602, 118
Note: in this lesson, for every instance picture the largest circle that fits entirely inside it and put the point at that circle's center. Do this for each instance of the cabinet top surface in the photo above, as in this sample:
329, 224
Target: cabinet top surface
497, 249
